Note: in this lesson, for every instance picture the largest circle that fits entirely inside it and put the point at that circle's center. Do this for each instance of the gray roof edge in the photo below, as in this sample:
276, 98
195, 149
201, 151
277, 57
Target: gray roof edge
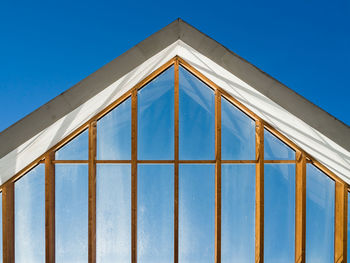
23, 130
58, 107
287, 98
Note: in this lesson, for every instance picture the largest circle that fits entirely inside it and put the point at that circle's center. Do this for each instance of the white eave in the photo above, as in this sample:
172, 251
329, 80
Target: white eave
311, 128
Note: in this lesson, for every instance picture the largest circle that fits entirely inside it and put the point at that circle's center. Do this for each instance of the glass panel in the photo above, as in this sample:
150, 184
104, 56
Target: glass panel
114, 133
196, 118
275, 149
155, 213
320, 191
156, 118
196, 213
238, 133
113, 213
71, 213
76, 149
30, 216
1, 227
279, 204
238, 213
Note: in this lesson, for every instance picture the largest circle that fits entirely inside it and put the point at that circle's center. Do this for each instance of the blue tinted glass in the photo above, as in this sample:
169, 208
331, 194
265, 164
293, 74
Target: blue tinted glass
156, 118
76, 149
320, 191
238, 213
155, 213
275, 149
113, 213
71, 213
196, 213
237, 133
196, 118
114, 133
30, 216
279, 205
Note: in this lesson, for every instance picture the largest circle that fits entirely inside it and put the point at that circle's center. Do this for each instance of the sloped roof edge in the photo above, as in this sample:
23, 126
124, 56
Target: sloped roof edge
58, 107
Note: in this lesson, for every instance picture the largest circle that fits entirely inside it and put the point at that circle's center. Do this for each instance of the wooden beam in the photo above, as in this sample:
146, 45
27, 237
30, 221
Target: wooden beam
217, 176
92, 192
8, 222
50, 207
341, 224
134, 176
300, 207
176, 164
259, 192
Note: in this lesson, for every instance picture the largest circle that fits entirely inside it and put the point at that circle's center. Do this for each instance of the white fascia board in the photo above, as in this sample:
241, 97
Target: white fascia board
327, 152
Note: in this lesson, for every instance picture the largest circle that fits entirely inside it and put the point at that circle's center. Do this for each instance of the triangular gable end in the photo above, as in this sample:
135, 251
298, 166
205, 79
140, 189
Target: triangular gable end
327, 151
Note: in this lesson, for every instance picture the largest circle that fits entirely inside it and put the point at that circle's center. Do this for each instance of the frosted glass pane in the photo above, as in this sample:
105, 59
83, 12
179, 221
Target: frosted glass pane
113, 213
71, 213
320, 191
1, 227
275, 149
30, 216
76, 149
155, 213
196, 213
237, 133
114, 133
279, 204
238, 213
196, 118
156, 118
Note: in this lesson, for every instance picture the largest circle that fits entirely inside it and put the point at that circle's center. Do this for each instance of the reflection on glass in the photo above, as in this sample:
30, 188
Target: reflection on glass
156, 118
114, 133
71, 213
76, 149
196, 118
275, 149
113, 213
238, 213
1, 227
155, 213
320, 190
30, 216
237, 133
196, 213
279, 205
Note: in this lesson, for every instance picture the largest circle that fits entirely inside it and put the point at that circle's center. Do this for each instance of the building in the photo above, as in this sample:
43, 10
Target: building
179, 150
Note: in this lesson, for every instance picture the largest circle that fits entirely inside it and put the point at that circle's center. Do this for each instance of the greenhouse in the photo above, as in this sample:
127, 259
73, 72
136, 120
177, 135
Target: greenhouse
177, 151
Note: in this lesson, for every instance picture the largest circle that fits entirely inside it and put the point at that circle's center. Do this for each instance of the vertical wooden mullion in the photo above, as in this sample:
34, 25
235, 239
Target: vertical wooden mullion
8, 222
176, 162
340, 221
92, 192
259, 192
217, 176
50, 207
134, 176
300, 207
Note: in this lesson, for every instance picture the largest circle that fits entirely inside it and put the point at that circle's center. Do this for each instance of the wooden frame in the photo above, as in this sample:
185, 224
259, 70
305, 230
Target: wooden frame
50, 207
302, 158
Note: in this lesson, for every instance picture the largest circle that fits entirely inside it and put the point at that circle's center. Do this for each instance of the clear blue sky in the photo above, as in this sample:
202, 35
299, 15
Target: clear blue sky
46, 47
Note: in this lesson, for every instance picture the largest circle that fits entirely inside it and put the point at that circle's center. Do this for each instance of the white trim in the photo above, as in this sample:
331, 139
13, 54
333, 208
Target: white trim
333, 156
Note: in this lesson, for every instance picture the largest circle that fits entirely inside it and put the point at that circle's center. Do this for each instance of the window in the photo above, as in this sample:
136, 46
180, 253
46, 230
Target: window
320, 190
30, 216
158, 170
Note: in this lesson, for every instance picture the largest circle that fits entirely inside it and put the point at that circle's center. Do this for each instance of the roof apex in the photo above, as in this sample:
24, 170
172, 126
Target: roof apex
44, 116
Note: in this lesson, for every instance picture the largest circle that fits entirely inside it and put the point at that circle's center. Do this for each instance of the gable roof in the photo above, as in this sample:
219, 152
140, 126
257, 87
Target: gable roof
48, 114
